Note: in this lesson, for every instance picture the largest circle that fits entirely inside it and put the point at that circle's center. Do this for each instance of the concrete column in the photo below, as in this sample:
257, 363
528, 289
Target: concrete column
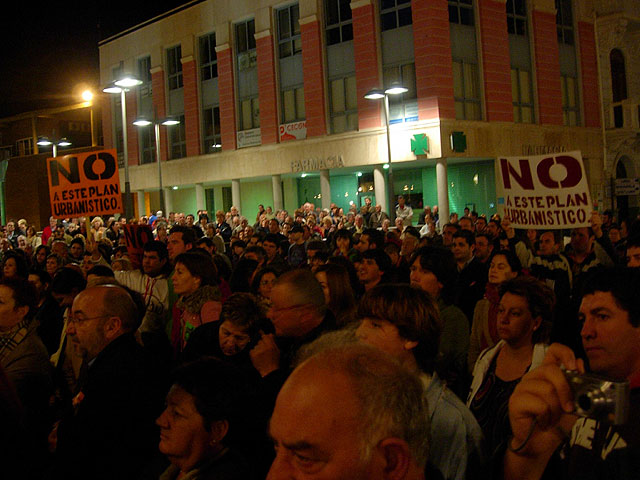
142, 209
200, 200
168, 201
276, 186
442, 186
325, 188
235, 194
380, 188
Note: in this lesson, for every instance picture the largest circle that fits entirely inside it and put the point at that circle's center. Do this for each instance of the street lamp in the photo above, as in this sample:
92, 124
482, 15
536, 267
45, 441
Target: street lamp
378, 94
121, 86
144, 122
45, 142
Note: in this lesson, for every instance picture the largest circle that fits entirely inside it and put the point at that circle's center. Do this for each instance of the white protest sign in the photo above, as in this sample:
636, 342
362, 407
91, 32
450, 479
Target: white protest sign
545, 191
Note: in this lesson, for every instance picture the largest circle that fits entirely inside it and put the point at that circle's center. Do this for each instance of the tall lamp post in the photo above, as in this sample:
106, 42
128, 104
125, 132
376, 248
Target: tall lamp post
121, 86
143, 122
45, 142
377, 94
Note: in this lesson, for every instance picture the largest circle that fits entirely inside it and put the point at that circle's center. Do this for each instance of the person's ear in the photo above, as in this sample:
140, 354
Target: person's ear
396, 458
410, 344
219, 430
112, 327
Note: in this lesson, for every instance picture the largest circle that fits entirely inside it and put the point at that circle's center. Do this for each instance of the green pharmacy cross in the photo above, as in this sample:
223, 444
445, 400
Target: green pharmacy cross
420, 144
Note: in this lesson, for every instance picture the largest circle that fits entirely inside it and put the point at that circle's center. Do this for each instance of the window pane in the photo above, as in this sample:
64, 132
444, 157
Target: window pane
251, 31
352, 97
457, 80
466, 16
527, 115
409, 80
246, 115
295, 20
384, 4
514, 85
525, 87
339, 124
453, 14
285, 49
289, 105
352, 121
459, 110
241, 37
563, 87
255, 105
345, 10
337, 96
333, 36
332, 12
404, 17
283, 24
571, 92
300, 103
347, 32
388, 21
470, 90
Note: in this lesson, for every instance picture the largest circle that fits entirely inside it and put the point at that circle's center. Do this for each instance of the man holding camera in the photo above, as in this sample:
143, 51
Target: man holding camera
542, 409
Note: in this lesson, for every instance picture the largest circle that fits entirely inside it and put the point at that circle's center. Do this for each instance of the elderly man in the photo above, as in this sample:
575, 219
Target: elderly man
542, 410
377, 217
350, 413
110, 432
403, 211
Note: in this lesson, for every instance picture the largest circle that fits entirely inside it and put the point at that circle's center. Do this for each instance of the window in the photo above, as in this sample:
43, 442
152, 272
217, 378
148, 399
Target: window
212, 137
293, 105
289, 41
564, 22
522, 95
245, 39
177, 140
148, 140
570, 111
24, 146
144, 74
344, 107
517, 17
618, 76
208, 59
465, 90
338, 21
249, 113
395, 13
174, 67
402, 107
461, 12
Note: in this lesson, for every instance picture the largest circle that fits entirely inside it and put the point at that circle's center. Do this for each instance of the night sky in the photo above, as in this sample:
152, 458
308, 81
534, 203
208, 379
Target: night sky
49, 51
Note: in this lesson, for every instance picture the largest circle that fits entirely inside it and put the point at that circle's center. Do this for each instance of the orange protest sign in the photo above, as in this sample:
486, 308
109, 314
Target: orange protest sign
84, 184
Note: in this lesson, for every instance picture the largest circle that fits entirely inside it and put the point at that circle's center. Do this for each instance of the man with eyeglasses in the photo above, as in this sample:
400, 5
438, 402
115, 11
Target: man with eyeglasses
109, 432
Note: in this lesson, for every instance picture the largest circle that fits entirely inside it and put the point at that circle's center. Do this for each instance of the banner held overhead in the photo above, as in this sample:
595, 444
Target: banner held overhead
84, 184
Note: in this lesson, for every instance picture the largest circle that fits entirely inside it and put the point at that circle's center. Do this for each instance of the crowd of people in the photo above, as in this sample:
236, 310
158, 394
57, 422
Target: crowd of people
318, 344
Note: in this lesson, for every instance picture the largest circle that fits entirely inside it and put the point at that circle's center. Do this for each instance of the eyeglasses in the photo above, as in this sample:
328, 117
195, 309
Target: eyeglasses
76, 320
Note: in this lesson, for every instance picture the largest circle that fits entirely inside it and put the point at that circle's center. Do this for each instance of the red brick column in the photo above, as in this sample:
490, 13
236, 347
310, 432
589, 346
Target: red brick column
589, 66
227, 97
107, 122
547, 58
313, 75
191, 106
432, 52
496, 60
160, 106
267, 88
132, 130
365, 48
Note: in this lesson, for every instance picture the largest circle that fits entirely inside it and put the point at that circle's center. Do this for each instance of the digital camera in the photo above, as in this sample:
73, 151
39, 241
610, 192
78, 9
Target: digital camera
599, 398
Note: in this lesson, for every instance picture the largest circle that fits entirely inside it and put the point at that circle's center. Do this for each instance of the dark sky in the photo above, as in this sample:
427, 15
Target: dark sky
49, 50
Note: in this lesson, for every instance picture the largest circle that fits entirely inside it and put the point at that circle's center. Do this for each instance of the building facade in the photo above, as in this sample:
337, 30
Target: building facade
271, 99
618, 40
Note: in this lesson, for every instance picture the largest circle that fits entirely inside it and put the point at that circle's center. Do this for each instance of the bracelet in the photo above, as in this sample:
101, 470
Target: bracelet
526, 440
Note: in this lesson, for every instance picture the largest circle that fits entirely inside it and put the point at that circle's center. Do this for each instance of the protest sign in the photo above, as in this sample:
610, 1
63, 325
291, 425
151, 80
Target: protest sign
84, 184
545, 191
136, 236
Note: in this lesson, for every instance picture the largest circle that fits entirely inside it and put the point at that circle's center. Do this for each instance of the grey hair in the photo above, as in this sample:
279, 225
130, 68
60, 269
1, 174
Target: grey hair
392, 399
332, 339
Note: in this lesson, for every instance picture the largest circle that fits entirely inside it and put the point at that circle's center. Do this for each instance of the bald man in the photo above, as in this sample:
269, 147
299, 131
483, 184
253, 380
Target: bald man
350, 413
110, 431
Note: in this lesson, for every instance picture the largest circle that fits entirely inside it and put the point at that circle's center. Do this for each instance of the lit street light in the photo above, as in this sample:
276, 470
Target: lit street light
45, 142
121, 86
143, 122
377, 94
